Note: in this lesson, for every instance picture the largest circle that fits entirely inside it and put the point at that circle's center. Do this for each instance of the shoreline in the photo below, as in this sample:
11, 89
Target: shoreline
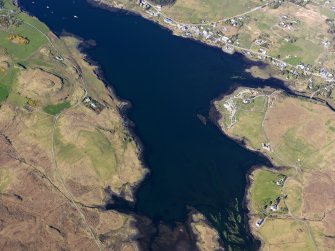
244, 56
215, 117
122, 105
285, 87
246, 198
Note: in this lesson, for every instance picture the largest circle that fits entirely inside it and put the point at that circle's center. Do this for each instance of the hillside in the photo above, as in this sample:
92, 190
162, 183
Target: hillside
62, 158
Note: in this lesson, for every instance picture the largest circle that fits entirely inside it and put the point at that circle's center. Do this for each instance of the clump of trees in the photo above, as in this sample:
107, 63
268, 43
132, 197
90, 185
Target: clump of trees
276, 4
331, 25
300, 2
163, 2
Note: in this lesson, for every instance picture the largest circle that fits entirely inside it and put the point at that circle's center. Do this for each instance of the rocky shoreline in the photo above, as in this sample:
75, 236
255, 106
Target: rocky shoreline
204, 241
215, 116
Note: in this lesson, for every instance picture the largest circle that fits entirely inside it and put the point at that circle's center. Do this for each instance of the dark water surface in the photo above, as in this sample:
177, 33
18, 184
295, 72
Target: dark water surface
169, 80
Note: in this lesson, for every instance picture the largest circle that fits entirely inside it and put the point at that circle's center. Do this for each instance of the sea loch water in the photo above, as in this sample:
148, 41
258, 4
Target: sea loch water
169, 80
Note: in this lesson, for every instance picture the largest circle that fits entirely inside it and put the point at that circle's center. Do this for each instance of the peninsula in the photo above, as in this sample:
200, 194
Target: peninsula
290, 205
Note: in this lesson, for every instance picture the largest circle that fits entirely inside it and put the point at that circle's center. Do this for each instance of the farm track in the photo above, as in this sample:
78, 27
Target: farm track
66, 192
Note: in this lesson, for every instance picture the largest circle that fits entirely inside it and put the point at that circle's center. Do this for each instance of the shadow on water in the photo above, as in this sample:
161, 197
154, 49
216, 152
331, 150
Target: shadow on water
169, 81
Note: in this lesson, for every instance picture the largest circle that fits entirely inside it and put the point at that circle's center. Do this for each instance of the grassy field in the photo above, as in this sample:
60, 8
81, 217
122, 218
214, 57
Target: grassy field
7, 81
295, 150
299, 133
249, 127
294, 189
35, 36
285, 234
211, 10
4, 92
92, 145
264, 189
13, 53
58, 108
249, 119
101, 152
22, 51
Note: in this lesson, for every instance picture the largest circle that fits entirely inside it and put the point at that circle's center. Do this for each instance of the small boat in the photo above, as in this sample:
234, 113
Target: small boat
75, 16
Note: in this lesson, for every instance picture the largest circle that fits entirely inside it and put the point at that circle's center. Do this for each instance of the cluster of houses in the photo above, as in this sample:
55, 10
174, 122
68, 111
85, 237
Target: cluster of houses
93, 104
326, 44
281, 180
273, 205
59, 58
273, 208
236, 22
148, 8
260, 42
286, 22
267, 147
276, 3
217, 36
204, 31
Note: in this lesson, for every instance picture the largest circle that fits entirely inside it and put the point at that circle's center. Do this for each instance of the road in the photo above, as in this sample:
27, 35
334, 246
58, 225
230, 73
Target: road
242, 49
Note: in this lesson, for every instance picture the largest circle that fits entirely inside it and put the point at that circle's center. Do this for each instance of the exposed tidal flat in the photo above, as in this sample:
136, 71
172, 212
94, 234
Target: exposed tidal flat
169, 81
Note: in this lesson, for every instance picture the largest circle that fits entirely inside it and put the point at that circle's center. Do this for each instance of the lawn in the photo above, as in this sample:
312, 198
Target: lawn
294, 60
56, 109
4, 92
6, 82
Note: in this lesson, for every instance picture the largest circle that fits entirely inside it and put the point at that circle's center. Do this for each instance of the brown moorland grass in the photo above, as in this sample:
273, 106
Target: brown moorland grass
299, 133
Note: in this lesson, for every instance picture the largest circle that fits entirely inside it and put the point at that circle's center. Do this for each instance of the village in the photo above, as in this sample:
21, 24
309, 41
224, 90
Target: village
319, 81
